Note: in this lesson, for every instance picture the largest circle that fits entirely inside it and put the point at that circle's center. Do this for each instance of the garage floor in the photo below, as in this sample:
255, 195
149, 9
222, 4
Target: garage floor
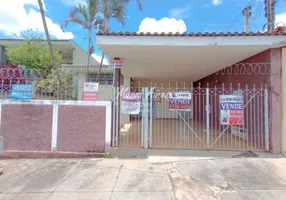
179, 134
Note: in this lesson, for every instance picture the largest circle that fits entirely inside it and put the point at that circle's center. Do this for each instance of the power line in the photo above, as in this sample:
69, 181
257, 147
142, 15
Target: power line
251, 3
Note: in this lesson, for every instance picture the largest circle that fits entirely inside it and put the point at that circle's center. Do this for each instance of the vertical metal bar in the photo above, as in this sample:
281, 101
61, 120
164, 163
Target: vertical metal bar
167, 117
146, 108
266, 117
178, 119
254, 117
191, 116
238, 88
156, 110
231, 127
246, 114
164, 117
185, 119
216, 117
116, 125
251, 119
151, 116
258, 116
261, 117
114, 111
170, 117
208, 116
220, 126
142, 117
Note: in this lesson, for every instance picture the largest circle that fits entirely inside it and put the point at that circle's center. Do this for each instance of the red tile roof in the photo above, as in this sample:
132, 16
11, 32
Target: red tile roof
192, 34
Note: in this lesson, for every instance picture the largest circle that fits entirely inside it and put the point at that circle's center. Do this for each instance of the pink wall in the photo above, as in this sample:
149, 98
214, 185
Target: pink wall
27, 130
269, 63
27, 127
81, 128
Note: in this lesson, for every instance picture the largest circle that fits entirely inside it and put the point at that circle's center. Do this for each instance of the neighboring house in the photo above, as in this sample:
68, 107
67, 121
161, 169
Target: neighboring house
75, 59
72, 53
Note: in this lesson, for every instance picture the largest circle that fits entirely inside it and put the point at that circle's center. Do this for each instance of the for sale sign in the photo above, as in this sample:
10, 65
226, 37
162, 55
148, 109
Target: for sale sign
116, 64
90, 91
131, 103
180, 101
231, 109
21, 92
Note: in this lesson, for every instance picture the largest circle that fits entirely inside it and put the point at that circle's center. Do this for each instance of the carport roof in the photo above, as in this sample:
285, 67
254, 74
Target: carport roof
168, 56
199, 34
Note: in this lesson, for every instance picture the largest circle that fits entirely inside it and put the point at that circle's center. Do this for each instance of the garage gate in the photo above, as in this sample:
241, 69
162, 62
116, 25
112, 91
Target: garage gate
156, 126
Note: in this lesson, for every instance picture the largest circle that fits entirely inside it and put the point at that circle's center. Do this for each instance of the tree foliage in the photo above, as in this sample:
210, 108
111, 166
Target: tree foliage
50, 82
96, 15
33, 54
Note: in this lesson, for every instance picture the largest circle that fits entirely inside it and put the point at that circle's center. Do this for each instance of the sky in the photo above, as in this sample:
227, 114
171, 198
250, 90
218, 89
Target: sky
181, 16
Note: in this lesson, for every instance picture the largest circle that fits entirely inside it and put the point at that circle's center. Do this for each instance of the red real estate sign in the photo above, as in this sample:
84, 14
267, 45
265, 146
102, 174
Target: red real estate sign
116, 64
90, 92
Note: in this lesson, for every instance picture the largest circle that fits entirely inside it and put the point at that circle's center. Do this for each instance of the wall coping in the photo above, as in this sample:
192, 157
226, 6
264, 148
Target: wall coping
57, 102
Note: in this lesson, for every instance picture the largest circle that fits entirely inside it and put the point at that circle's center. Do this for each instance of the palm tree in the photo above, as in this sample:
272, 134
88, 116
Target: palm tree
87, 14
54, 60
115, 9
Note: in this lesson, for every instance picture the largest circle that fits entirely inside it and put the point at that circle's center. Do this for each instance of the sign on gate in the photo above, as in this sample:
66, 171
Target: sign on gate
21, 91
131, 103
90, 91
180, 101
231, 109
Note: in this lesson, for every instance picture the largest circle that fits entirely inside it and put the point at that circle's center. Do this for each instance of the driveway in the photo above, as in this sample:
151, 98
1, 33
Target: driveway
100, 178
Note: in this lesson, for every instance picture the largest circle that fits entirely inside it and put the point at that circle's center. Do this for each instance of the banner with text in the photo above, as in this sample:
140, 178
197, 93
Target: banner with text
180, 101
21, 92
90, 91
231, 109
131, 103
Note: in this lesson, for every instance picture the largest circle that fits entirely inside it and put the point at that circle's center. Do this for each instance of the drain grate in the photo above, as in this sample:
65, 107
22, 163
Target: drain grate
247, 154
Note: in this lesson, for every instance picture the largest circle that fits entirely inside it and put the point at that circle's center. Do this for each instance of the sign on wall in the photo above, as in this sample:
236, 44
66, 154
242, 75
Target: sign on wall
180, 101
131, 103
21, 92
90, 91
231, 109
116, 64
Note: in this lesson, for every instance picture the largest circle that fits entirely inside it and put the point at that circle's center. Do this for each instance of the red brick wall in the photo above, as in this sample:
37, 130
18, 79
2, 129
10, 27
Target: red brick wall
81, 128
27, 127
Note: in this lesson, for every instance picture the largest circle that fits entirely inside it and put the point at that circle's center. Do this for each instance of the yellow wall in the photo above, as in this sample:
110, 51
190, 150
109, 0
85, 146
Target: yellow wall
284, 100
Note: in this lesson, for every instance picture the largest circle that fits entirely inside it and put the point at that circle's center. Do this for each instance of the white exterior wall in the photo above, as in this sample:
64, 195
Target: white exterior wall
80, 57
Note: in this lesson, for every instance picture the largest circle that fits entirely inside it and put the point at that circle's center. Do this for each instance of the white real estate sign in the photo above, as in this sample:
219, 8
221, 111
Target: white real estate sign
131, 103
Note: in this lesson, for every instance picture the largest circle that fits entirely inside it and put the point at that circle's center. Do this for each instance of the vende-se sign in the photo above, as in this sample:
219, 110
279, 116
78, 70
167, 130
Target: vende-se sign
21, 92
116, 64
90, 91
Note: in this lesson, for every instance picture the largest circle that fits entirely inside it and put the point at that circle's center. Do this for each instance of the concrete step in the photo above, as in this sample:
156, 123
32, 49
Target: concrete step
128, 152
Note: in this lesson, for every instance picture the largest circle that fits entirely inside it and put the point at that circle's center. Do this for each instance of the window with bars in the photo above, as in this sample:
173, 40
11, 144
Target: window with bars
104, 79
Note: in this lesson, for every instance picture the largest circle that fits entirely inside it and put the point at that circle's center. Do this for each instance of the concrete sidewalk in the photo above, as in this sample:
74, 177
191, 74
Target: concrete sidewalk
91, 179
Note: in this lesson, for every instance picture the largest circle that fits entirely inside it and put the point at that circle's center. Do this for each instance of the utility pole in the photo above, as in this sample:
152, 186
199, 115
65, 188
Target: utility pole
246, 12
270, 14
